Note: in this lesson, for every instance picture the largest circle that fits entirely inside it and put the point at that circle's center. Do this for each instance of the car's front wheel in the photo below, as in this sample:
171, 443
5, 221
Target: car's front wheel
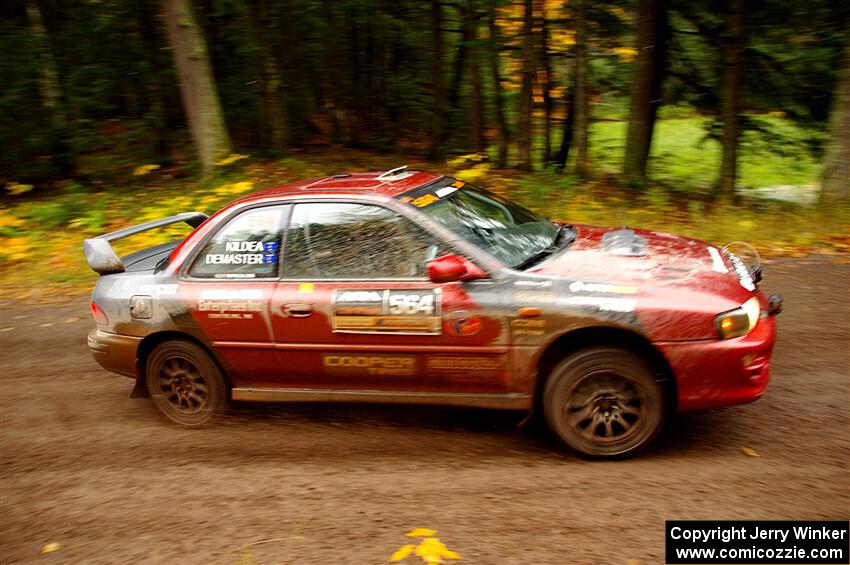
604, 402
185, 383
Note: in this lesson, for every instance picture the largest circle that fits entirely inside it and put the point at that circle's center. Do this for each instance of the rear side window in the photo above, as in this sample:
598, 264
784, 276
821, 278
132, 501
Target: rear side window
247, 247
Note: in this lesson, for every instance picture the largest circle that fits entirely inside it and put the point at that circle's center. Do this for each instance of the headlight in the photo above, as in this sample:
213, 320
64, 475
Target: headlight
740, 321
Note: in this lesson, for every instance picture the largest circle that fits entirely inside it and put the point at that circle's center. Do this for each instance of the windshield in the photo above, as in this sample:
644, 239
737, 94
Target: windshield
504, 229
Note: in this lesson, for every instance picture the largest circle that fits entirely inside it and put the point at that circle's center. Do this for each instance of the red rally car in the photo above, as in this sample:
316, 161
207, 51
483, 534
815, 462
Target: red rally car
412, 287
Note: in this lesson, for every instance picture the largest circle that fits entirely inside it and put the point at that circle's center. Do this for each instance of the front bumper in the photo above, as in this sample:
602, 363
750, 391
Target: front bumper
114, 352
716, 373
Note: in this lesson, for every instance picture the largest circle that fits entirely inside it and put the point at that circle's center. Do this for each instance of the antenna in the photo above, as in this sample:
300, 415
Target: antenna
392, 172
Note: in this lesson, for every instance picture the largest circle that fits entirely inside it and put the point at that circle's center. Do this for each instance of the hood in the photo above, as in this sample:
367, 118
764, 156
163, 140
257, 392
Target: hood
647, 260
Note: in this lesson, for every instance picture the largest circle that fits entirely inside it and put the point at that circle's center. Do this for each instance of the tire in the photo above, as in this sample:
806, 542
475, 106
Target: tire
185, 383
604, 402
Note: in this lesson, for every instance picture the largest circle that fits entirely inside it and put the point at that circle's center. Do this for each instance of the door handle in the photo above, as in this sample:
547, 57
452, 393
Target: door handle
298, 310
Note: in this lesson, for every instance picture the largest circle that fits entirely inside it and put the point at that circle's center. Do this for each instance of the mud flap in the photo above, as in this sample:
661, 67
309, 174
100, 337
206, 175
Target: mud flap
140, 390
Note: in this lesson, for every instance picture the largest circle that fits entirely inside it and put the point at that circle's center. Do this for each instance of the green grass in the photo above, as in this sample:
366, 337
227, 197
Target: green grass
684, 159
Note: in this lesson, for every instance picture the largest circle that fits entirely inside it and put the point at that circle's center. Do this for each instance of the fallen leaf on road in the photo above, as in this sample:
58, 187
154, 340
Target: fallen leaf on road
420, 533
50, 548
750, 451
402, 552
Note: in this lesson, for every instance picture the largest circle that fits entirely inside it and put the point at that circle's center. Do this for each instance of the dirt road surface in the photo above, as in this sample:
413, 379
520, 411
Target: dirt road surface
111, 481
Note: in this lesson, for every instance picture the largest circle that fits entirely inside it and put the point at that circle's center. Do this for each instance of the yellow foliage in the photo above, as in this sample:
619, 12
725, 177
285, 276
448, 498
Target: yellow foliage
18, 188
474, 173
9, 220
467, 158
626, 54
16, 249
234, 188
144, 170
232, 158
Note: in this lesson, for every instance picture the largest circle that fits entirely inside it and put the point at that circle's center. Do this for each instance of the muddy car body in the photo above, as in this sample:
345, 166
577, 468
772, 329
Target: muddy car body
411, 287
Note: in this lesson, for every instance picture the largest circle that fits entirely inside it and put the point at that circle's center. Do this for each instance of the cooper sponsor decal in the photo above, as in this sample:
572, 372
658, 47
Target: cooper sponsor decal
236, 304
475, 365
411, 311
376, 364
522, 326
580, 286
462, 323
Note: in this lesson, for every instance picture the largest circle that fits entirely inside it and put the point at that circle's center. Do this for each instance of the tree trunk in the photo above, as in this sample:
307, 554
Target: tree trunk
438, 88
526, 101
333, 80
265, 24
470, 33
646, 87
730, 104
50, 94
581, 122
498, 101
458, 67
200, 97
567, 135
545, 83
836, 162
154, 88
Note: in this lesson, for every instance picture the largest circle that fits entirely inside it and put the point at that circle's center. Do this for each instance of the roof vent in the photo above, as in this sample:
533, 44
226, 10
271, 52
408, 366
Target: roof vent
395, 174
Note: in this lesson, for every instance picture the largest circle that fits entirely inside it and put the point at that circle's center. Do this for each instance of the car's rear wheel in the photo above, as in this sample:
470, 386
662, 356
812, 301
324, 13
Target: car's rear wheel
185, 383
604, 402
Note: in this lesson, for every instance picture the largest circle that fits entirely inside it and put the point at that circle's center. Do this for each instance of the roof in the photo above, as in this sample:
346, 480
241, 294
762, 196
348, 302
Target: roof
354, 183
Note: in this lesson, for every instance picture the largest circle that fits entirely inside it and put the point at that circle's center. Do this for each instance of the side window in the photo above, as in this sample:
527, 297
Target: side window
247, 247
354, 241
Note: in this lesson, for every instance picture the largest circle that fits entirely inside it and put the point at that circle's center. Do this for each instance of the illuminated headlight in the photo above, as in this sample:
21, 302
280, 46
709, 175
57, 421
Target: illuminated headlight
740, 321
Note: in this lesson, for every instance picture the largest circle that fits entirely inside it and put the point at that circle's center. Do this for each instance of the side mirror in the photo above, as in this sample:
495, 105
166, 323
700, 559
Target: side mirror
450, 268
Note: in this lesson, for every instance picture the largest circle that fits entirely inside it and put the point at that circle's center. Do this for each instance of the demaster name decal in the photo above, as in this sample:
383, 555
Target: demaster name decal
411, 311
245, 253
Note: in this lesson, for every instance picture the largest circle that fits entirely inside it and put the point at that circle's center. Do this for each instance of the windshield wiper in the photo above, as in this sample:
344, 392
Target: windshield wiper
565, 235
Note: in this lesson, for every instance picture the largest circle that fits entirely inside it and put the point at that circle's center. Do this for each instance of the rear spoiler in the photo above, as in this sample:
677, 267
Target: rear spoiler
102, 258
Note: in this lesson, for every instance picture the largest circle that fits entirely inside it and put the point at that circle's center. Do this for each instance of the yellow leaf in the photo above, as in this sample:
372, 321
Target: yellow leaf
18, 188
232, 158
50, 548
750, 451
420, 533
144, 170
449, 554
402, 552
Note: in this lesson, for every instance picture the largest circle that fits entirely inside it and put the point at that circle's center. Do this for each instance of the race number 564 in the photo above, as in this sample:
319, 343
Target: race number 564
411, 304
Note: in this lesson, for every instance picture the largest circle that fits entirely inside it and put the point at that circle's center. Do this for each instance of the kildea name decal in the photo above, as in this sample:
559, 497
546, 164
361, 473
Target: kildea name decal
245, 253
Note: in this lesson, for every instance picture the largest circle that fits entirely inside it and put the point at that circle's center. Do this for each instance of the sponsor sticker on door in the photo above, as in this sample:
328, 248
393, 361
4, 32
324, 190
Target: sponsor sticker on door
395, 311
